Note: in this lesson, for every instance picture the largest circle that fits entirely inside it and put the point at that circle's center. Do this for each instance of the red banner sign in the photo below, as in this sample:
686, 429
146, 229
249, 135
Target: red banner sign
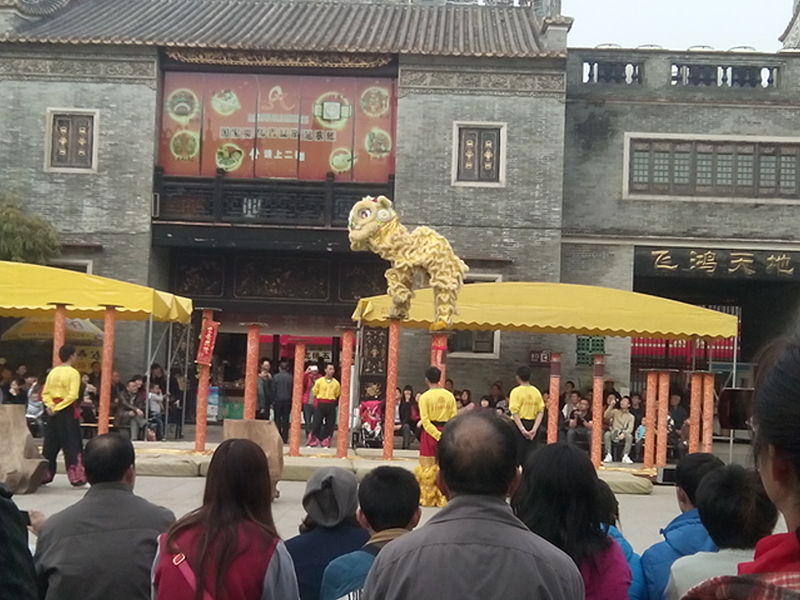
208, 339
278, 126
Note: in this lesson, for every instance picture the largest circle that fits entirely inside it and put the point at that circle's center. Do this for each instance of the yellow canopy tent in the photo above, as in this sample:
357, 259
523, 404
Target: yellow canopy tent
31, 290
36, 328
560, 308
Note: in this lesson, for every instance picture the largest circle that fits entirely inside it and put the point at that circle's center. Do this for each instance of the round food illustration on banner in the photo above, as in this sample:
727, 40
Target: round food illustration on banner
229, 156
378, 143
185, 145
341, 160
225, 102
375, 101
332, 110
183, 105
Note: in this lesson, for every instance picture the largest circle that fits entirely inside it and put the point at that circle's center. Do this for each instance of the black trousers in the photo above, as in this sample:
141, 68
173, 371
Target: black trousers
324, 420
525, 447
63, 432
283, 412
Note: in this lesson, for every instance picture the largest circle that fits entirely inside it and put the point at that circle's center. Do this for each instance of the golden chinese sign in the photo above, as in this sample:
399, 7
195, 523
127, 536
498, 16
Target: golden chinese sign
717, 263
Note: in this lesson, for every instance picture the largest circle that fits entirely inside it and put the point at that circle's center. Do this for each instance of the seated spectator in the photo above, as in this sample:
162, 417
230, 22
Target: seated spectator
330, 528
464, 399
737, 513
621, 421
449, 557
389, 500
17, 573
610, 507
637, 410
228, 548
15, 394
678, 426
102, 546
128, 414
685, 535
155, 402
559, 499
579, 424
409, 416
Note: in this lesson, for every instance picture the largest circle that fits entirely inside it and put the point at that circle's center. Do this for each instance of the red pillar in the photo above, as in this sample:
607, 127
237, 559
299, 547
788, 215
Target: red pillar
59, 331
203, 375
391, 386
106, 367
695, 402
708, 412
297, 399
663, 416
251, 371
552, 405
650, 408
597, 409
343, 433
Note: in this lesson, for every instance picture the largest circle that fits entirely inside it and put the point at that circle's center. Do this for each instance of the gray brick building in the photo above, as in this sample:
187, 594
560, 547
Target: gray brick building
603, 158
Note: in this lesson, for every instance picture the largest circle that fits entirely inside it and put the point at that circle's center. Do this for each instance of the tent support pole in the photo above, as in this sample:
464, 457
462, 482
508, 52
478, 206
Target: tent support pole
106, 368
169, 377
59, 331
185, 377
147, 368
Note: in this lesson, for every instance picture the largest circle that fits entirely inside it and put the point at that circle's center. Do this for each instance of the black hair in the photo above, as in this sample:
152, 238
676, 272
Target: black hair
66, 352
137, 377
107, 457
776, 412
448, 380
477, 454
433, 374
389, 497
569, 382
735, 508
283, 366
564, 510
524, 373
609, 505
691, 469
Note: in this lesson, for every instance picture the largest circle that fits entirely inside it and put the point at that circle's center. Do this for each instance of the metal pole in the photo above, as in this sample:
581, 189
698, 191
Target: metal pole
147, 366
168, 373
185, 376
735, 360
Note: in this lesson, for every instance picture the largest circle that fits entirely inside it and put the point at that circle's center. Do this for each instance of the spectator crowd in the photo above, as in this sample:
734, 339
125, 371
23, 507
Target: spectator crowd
550, 529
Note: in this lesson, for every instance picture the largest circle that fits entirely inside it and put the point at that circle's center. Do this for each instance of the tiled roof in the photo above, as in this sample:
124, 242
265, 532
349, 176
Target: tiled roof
293, 25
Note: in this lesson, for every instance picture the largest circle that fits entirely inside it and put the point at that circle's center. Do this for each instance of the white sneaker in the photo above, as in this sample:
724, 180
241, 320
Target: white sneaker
627, 460
608, 458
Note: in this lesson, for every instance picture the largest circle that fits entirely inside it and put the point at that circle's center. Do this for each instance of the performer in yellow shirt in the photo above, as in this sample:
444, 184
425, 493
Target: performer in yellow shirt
436, 407
527, 409
326, 392
63, 431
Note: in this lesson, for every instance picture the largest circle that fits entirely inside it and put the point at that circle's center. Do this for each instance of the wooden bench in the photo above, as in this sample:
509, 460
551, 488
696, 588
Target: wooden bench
91, 428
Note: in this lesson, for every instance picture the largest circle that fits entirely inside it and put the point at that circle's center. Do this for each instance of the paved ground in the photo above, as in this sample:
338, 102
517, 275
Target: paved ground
642, 516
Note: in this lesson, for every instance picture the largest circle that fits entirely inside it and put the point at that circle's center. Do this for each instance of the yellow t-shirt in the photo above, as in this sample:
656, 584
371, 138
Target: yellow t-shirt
437, 404
326, 390
62, 382
526, 402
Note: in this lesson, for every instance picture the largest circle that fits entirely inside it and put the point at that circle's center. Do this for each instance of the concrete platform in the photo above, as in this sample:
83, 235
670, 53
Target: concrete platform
178, 459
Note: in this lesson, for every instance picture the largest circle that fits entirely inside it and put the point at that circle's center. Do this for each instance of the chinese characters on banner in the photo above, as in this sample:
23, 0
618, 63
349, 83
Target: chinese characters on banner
278, 126
208, 339
715, 263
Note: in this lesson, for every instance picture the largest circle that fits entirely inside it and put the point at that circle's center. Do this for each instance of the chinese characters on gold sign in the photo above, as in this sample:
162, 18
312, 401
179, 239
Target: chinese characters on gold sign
721, 263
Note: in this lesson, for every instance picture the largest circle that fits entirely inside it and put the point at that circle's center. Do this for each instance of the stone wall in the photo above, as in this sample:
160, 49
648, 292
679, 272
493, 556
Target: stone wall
511, 231
104, 216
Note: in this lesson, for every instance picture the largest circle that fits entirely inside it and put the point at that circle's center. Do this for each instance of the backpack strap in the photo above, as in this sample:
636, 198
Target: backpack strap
372, 549
179, 560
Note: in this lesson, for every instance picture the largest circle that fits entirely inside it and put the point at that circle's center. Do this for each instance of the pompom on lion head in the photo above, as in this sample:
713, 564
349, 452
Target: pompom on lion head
367, 217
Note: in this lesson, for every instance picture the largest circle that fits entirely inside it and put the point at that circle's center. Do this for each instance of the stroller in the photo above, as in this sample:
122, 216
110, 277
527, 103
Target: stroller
369, 432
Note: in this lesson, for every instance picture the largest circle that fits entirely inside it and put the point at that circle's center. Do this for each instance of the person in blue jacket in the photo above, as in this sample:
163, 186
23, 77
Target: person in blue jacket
610, 505
685, 535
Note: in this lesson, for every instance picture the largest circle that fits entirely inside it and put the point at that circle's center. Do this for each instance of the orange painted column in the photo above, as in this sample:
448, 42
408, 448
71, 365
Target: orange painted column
708, 412
598, 375
391, 386
251, 371
203, 376
439, 352
297, 399
663, 416
343, 433
106, 368
650, 408
552, 405
59, 331
695, 402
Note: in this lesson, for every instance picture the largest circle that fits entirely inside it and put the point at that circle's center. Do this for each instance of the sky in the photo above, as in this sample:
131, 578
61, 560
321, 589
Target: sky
678, 24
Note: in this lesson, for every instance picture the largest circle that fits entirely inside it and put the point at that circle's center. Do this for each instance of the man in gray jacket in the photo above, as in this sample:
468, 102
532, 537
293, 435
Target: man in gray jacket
474, 547
102, 546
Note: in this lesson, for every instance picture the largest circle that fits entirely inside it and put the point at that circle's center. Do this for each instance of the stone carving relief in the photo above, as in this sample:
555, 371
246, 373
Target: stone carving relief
82, 68
508, 83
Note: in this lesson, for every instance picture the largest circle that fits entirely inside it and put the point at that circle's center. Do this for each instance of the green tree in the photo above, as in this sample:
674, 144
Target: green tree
25, 237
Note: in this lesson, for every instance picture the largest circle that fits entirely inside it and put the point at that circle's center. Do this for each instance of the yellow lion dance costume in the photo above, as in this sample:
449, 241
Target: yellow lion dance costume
374, 225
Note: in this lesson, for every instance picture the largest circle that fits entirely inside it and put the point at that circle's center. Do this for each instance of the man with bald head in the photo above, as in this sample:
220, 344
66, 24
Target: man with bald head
474, 547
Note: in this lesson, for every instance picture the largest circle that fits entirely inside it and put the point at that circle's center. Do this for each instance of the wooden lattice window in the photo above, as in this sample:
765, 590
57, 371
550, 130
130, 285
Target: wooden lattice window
72, 141
479, 154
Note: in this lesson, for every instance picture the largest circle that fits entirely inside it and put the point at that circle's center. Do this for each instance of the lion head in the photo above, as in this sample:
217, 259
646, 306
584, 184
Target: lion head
367, 217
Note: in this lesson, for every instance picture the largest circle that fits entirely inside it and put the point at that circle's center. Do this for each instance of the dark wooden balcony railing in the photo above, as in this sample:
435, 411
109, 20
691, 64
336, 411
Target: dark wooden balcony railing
263, 202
